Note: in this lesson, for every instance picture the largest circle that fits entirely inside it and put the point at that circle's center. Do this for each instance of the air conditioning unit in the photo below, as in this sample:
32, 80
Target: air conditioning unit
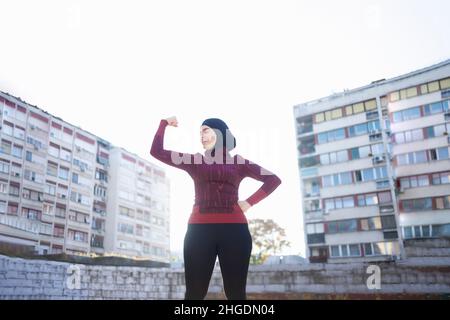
32, 127
378, 159
36, 147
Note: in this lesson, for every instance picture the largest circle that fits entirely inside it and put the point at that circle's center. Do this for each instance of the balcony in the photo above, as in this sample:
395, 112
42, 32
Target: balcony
316, 238
382, 184
309, 172
372, 115
447, 116
304, 125
314, 215
386, 208
375, 136
307, 145
20, 223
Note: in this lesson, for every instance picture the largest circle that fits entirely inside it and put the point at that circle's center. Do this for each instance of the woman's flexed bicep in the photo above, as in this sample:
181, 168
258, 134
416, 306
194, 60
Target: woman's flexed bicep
175, 159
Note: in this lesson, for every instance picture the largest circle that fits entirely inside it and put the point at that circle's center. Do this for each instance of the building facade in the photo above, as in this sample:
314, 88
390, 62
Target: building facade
139, 201
374, 166
55, 183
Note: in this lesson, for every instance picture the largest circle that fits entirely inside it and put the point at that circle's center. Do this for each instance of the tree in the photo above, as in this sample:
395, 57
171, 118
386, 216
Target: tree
268, 238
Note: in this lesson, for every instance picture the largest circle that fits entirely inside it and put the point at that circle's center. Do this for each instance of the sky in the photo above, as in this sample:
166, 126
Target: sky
116, 68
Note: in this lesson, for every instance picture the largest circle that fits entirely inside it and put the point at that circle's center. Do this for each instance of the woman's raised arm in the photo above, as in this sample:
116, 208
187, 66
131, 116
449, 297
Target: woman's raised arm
184, 161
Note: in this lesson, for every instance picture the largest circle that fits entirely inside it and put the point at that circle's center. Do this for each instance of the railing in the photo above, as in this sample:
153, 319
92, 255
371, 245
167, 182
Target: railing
20, 223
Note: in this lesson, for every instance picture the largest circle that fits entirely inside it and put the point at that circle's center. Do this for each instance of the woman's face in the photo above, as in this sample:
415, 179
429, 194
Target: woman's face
207, 137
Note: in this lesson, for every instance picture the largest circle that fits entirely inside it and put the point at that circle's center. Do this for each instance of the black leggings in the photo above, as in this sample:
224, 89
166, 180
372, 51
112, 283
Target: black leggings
232, 242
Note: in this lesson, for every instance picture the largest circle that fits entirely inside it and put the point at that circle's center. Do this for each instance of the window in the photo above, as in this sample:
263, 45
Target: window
377, 149
19, 133
408, 233
443, 202
349, 110
370, 105
7, 128
65, 154
445, 84
337, 135
416, 204
417, 157
14, 189
439, 130
442, 153
368, 249
3, 186
432, 108
50, 188
369, 224
388, 222
314, 228
5, 147
416, 135
342, 156
348, 202
371, 199
373, 126
336, 113
367, 199
364, 151
52, 169
337, 179
17, 151
53, 150
63, 173
3, 207
397, 116
441, 178
359, 129
125, 228
31, 214
410, 114
358, 107
346, 178
319, 117
342, 226
368, 174
345, 250
433, 86
322, 138
325, 159
355, 153
335, 251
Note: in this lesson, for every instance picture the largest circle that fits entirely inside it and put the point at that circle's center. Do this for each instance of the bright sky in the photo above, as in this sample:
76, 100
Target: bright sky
117, 68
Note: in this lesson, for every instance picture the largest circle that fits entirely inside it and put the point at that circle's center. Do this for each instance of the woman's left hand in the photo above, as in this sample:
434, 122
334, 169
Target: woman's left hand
244, 205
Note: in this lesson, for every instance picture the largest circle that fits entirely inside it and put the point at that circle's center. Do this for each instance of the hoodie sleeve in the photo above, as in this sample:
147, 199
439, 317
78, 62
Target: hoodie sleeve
183, 161
269, 179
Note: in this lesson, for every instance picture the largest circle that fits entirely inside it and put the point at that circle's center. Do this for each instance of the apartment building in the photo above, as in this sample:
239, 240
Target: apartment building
54, 182
374, 166
139, 203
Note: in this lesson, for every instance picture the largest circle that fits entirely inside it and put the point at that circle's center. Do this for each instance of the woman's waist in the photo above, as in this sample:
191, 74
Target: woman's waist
216, 205
231, 208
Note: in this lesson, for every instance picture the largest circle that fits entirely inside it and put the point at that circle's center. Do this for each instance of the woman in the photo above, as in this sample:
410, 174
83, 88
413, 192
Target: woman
217, 225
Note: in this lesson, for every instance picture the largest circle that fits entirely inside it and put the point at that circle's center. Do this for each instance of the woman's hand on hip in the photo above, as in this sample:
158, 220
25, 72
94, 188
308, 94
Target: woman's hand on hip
172, 121
244, 205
